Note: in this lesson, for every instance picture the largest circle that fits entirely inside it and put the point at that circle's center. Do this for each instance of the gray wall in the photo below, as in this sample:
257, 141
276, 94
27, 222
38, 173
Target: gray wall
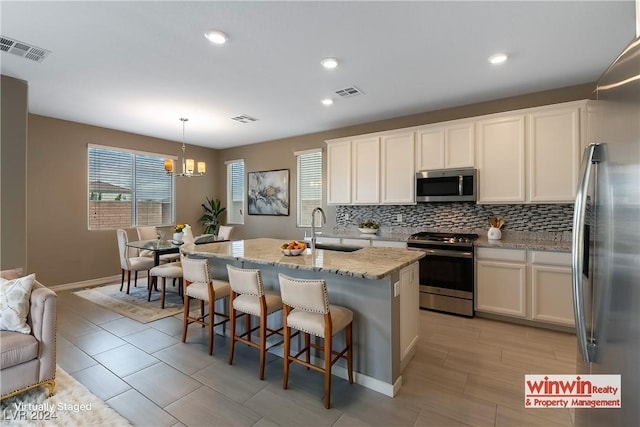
13, 174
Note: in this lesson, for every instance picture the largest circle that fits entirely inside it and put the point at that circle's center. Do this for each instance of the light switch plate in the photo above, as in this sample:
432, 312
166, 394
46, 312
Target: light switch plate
399, 217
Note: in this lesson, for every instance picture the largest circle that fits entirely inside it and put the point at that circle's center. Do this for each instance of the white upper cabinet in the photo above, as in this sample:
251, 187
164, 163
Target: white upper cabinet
553, 155
445, 146
501, 159
371, 169
397, 167
365, 170
339, 172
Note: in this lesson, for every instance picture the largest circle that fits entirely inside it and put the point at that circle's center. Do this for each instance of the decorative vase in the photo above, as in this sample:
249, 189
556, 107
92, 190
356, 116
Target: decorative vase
494, 233
177, 237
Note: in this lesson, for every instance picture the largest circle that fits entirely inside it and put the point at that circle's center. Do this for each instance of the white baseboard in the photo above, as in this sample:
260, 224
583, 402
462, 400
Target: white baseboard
364, 380
86, 283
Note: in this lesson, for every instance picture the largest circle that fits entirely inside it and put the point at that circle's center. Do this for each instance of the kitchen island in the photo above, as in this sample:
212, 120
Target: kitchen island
380, 286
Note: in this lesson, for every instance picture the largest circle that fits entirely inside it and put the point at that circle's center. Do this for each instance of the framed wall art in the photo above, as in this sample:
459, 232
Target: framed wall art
268, 192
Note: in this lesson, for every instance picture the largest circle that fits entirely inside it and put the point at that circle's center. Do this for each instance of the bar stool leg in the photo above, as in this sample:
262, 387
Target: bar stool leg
349, 339
307, 345
263, 342
327, 371
232, 331
164, 288
286, 331
185, 322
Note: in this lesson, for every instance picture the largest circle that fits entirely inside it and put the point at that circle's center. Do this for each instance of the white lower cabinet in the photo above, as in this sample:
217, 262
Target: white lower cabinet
502, 286
409, 310
551, 289
532, 285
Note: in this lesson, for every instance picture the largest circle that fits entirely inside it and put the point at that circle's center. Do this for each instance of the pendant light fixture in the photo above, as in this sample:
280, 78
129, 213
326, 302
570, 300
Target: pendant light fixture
188, 165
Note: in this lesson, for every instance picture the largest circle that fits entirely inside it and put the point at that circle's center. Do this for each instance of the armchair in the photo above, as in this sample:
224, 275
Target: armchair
29, 360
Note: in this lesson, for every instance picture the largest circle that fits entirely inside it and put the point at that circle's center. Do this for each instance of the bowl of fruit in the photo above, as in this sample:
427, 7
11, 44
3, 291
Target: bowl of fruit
293, 248
368, 227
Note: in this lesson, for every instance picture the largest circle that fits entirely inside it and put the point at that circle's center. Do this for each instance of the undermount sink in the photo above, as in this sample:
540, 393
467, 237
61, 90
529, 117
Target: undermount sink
337, 247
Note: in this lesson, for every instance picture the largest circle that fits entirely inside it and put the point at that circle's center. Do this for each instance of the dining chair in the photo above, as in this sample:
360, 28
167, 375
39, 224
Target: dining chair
306, 308
248, 296
171, 270
129, 263
224, 232
150, 232
199, 285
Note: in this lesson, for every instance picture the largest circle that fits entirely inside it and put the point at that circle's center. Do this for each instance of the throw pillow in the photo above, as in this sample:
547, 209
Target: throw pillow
14, 303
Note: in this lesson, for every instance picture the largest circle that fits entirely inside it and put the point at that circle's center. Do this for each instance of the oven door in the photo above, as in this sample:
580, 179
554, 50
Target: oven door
447, 272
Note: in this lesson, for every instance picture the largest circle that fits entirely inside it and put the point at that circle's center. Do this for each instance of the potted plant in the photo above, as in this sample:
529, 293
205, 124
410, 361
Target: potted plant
210, 218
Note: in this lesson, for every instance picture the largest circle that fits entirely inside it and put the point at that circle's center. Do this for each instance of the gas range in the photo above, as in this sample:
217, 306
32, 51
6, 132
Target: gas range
427, 238
446, 271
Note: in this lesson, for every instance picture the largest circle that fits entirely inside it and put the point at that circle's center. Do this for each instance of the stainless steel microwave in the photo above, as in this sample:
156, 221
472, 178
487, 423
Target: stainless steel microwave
447, 185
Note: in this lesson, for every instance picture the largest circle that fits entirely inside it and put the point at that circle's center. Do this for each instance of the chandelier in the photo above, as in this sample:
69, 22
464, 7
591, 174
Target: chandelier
188, 165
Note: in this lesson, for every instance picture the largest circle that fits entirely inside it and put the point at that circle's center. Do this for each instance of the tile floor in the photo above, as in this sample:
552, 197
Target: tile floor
465, 372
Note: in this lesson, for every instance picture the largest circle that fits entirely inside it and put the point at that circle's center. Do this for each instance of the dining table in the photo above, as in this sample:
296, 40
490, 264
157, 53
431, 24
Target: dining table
157, 246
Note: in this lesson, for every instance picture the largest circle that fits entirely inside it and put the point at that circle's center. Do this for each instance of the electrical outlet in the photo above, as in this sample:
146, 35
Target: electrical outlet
399, 218
346, 217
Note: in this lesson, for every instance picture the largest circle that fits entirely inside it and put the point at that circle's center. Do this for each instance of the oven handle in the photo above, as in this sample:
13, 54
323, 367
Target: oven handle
444, 252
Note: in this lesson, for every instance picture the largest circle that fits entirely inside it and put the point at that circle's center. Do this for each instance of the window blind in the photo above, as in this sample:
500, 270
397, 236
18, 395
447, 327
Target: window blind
235, 192
128, 189
309, 165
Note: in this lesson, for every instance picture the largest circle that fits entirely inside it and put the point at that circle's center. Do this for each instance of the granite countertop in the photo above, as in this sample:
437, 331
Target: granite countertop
355, 234
369, 263
520, 242
556, 242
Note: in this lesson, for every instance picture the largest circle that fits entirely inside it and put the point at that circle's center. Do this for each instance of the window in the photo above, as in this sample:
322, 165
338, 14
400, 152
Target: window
235, 192
128, 188
309, 166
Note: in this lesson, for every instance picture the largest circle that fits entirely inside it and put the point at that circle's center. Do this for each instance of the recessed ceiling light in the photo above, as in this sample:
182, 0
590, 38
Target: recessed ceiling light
216, 36
329, 63
327, 101
498, 58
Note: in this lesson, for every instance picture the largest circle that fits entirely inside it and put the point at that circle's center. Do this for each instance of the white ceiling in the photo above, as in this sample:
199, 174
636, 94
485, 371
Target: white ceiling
139, 66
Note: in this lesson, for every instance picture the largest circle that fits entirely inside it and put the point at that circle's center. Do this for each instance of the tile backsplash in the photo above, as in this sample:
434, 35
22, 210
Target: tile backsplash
547, 218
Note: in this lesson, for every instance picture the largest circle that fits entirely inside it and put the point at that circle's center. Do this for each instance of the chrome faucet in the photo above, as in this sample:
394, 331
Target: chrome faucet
313, 225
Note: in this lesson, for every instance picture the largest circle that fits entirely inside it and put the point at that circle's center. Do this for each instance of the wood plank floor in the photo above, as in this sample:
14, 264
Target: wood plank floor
465, 372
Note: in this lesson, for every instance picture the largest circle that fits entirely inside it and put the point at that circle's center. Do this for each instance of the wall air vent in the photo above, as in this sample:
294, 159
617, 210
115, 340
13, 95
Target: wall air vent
350, 91
24, 50
244, 118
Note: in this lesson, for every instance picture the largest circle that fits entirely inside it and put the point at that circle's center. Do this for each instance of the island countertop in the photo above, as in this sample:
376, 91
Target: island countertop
369, 263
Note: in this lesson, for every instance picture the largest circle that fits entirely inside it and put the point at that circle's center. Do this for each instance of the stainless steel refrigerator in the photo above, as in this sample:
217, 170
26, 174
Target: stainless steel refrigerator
606, 241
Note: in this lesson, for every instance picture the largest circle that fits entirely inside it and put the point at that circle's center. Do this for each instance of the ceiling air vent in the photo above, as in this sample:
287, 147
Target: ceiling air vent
24, 50
244, 118
350, 91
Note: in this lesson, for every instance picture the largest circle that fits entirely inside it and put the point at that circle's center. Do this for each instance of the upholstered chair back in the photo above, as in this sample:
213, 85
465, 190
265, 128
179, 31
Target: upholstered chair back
245, 281
225, 231
195, 270
303, 294
147, 232
123, 249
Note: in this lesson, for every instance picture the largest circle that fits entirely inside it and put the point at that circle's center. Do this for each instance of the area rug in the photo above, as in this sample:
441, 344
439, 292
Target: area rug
135, 304
72, 404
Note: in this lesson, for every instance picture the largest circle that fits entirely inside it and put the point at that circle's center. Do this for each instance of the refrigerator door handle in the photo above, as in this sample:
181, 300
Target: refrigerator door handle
591, 156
